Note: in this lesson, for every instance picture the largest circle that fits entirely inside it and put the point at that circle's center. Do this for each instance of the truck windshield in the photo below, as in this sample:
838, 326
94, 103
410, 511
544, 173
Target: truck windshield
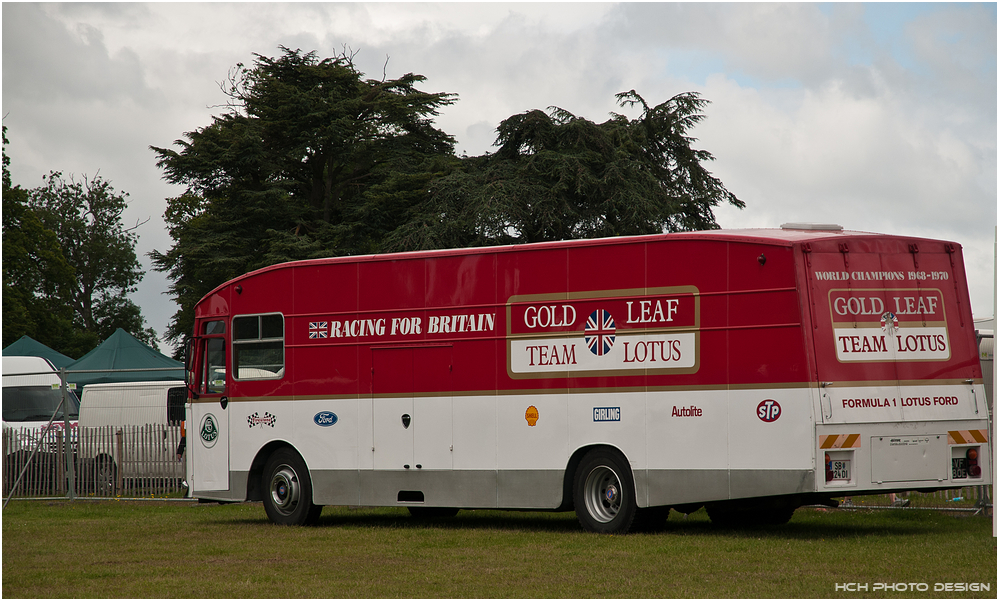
36, 403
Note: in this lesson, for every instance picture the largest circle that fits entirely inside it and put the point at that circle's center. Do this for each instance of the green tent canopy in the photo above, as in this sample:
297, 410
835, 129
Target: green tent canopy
26, 346
122, 351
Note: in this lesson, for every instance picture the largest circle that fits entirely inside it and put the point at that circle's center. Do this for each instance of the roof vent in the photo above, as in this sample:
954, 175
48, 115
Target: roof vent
819, 227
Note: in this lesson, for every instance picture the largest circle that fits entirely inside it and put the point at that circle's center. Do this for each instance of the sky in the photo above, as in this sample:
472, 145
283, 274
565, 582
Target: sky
877, 117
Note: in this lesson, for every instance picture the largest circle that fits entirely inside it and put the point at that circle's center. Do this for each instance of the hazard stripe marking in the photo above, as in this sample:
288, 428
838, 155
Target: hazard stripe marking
967, 436
839, 441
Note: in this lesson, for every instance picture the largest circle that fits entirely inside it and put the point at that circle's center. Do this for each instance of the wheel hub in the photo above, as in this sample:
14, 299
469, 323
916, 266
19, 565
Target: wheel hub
602, 494
285, 490
610, 494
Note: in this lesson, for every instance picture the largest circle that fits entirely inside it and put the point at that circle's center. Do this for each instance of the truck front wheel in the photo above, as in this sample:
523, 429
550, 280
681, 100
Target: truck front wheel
288, 490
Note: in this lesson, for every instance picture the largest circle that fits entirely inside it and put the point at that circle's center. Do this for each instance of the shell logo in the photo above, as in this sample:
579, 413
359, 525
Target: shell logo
531, 415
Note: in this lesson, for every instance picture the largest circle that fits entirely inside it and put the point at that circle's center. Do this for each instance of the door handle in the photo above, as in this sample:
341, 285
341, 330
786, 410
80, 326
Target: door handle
974, 396
825, 395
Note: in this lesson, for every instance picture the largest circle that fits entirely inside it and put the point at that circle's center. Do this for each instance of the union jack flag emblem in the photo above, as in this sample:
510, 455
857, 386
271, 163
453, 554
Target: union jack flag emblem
599, 332
317, 329
889, 323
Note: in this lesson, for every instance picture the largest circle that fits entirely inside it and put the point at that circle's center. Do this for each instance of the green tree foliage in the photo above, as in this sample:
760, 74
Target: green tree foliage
86, 220
310, 159
557, 176
36, 275
68, 264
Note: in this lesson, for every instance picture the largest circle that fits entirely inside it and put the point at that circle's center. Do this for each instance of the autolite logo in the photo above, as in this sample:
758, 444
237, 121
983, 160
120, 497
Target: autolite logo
768, 410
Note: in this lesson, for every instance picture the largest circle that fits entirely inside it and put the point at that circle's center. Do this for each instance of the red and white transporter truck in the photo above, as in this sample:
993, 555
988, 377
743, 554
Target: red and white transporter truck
748, 371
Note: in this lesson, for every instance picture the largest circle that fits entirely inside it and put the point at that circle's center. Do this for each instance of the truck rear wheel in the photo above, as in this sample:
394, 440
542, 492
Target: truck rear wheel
288, 490
604, 493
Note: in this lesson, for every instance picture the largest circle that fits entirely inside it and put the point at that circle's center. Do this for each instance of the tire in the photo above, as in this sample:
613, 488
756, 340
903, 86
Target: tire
426, 513
288, 490
727, 516
604, 492
650, 519
105, 476
732, 515
776, 516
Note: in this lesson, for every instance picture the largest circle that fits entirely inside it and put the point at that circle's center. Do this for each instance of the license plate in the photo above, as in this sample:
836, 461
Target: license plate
958, 468
841, 469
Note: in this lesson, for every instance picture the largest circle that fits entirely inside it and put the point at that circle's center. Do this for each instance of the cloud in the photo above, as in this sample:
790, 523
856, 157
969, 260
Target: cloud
956, 49
877, 116
871, 163
761, 41
46, 61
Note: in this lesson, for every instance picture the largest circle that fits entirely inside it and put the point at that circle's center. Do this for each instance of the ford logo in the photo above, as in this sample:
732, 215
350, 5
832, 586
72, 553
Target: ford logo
325, 418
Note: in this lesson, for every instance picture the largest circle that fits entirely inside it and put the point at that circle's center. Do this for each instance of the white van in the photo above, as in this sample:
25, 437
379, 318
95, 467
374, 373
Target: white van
133, 428
31, 394
133, 404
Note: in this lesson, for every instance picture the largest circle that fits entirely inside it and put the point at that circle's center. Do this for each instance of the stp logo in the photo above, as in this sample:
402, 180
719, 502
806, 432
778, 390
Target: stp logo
768, 410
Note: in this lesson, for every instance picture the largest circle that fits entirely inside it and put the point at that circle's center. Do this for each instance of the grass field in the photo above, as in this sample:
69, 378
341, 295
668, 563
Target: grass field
180, 549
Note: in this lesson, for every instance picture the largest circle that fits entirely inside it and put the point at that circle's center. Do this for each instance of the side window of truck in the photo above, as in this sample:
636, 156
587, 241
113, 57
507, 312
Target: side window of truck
258, 346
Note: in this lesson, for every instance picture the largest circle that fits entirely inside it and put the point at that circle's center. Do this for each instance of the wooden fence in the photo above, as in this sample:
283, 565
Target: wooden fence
129, 461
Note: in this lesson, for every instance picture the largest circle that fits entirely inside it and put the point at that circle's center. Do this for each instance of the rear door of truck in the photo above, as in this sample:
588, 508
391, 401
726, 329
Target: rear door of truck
893, 336
900, 389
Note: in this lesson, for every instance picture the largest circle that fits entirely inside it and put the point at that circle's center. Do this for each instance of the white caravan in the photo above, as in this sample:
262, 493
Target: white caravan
31, 395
